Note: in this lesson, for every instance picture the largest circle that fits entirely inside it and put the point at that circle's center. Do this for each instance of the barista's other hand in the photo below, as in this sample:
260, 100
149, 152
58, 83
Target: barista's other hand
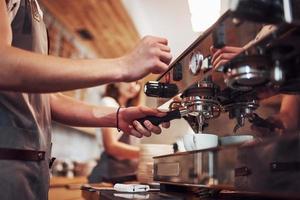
128, 121
223, 55
151, 55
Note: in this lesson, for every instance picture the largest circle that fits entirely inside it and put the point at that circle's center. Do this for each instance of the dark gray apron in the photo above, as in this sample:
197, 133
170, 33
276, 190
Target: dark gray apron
109, 169
25, 118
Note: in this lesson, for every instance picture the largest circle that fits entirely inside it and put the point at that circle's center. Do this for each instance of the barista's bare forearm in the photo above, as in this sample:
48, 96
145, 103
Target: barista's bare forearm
30, 72
69, 111
24, 71
75, 113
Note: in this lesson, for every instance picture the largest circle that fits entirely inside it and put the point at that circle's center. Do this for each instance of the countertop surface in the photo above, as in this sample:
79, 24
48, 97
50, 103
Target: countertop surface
64, 181
107, 194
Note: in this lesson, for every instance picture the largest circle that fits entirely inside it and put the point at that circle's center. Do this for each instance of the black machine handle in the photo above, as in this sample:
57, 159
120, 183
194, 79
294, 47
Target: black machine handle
260, 122
175, 114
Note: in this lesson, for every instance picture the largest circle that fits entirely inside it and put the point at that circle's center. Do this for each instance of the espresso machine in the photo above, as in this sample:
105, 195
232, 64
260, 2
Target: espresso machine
268, 63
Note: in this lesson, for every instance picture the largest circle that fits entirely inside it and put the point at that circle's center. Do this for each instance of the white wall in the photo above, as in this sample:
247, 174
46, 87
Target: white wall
224, 5
165, 18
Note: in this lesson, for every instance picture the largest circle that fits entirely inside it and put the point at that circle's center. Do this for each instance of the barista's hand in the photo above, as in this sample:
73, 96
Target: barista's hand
221, 56
151, 55
128, 121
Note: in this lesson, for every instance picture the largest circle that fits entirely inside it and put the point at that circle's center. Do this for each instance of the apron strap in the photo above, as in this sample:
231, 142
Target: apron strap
20, 154
27, 20
51, 161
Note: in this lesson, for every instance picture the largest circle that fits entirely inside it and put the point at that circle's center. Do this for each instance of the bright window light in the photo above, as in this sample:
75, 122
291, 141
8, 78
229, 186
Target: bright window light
204, 13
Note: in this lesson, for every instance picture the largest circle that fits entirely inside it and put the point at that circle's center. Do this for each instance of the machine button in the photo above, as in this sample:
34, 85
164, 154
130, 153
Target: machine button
206, 63
163, 90
177, 72
219, 36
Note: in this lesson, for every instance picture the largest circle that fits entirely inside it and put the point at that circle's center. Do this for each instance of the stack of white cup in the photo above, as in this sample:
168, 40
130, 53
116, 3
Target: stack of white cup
147, 152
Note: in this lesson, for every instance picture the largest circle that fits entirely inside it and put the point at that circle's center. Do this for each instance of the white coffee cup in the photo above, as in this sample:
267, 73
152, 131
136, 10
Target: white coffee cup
200, 141
235, 139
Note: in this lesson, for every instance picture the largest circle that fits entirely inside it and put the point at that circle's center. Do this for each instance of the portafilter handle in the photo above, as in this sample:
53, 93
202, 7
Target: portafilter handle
263, 123
174, 114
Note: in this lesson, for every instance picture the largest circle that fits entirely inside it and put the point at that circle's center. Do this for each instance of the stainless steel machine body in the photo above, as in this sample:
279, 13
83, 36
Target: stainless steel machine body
204, 168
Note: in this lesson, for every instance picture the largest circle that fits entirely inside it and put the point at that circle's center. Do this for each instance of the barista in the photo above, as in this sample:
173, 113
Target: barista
27, 107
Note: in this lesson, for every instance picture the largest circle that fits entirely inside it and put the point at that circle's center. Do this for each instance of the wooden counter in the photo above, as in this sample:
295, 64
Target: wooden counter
64, 181
62, 188
157, 195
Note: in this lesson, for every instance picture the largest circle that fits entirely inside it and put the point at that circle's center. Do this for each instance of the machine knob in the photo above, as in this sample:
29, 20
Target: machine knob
177, 72
219, 37
163, 90
206, 65
196, 63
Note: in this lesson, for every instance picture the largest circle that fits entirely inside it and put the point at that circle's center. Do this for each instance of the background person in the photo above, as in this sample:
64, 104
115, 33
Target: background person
121, 152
